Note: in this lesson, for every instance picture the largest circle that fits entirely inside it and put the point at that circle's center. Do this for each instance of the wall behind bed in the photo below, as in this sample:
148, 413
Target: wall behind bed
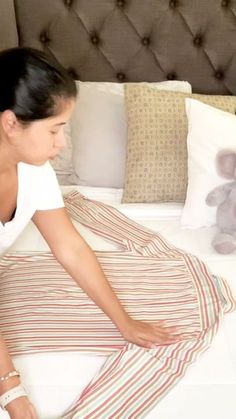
131, 40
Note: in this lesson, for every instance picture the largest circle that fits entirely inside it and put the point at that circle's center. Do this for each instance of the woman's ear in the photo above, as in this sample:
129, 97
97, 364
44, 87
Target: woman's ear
9, 122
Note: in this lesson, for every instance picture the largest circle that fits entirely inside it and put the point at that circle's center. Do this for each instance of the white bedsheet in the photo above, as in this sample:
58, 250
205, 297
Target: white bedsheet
208, 390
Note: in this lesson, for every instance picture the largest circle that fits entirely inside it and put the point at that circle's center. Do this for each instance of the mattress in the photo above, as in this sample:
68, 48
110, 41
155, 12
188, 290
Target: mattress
54, 380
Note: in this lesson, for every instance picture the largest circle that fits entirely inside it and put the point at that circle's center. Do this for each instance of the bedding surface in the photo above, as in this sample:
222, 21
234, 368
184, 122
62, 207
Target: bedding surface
54, 380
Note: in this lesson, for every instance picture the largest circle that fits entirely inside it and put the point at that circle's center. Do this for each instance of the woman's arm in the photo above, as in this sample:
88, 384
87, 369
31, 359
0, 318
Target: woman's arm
80, 262
19, 408
6, 365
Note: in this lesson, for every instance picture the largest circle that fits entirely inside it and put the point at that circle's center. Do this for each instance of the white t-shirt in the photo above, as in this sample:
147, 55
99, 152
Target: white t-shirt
38, 189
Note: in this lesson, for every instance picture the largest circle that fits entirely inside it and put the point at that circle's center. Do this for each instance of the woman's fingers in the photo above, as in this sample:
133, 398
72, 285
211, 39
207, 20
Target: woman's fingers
167, 335
149, 335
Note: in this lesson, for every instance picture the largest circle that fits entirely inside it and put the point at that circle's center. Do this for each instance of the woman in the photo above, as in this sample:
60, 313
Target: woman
37, 98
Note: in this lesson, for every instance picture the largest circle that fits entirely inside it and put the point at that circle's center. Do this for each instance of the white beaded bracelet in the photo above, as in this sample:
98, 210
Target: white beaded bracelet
9, 375
11, 395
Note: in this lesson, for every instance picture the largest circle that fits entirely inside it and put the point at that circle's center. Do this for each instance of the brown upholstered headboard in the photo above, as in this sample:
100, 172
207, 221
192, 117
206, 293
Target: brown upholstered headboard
131, 40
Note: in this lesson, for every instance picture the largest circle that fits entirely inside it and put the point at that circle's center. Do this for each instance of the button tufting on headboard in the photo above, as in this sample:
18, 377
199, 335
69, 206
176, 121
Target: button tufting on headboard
171, 76
219, 75
120, 3
173, 3
197, 40
133, 40
120, 76
95, 39
146, 40
73, 73
225, 3
68, 2
44, 38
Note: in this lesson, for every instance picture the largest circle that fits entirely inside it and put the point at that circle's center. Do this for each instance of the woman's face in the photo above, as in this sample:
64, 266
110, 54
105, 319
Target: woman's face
43, 139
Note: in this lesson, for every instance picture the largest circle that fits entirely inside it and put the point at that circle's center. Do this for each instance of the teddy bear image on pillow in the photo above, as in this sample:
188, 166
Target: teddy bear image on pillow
224, 198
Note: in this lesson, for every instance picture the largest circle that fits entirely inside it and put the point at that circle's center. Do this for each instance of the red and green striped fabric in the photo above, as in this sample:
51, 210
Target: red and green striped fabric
43, 309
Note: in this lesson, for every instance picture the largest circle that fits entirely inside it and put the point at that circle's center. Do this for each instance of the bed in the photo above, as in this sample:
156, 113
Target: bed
107, 45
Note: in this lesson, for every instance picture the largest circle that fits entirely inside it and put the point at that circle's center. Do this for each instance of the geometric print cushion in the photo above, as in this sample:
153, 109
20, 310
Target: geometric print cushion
156, 160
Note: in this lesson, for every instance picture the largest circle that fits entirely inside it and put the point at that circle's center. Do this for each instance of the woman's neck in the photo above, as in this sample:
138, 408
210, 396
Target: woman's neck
7, 161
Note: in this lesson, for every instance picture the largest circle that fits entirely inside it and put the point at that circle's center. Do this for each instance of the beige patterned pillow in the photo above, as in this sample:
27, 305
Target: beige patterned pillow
156, 161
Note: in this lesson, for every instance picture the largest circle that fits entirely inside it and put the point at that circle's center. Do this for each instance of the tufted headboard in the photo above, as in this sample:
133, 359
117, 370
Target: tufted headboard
131, 40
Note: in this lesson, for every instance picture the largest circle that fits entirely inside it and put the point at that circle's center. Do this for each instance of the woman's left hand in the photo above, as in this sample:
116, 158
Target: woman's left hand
149, 335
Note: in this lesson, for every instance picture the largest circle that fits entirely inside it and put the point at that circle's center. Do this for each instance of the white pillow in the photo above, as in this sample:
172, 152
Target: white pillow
210, 131
99, 131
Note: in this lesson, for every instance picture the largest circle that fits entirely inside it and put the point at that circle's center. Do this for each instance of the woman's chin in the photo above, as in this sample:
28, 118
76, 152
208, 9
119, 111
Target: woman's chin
35, 162
52, 157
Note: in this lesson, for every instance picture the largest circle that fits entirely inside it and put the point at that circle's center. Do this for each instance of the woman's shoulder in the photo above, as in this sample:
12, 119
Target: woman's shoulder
40, 183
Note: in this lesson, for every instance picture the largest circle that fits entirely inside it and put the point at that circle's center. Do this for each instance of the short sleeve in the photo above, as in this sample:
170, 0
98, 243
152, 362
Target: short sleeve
48, 191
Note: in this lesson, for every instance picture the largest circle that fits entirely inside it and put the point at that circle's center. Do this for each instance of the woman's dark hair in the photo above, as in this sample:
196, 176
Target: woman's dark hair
31, 85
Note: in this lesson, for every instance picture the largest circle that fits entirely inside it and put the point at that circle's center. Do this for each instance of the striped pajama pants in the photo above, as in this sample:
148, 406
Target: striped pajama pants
153, 280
